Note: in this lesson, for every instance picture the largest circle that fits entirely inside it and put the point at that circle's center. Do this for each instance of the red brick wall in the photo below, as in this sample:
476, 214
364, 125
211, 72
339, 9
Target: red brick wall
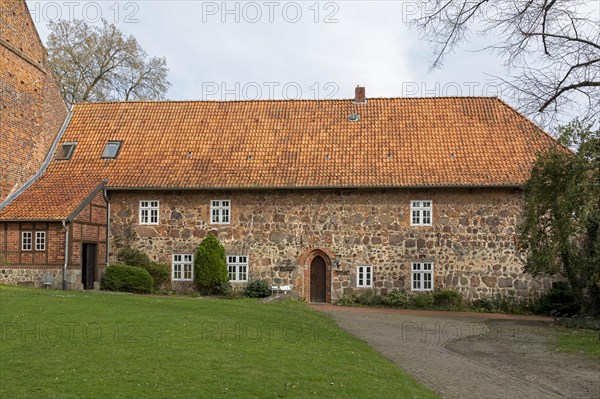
28, 267
31, 105
89, 226
10, 245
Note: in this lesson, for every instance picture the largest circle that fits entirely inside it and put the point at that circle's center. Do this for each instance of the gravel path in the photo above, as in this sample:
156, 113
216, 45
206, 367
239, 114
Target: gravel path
466, 355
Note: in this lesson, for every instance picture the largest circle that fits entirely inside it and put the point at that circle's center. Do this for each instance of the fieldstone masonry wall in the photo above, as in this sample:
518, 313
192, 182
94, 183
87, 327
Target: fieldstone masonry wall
472, 241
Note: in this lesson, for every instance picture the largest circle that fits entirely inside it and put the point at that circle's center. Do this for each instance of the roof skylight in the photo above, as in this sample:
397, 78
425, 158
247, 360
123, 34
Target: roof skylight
66, 151
112, 149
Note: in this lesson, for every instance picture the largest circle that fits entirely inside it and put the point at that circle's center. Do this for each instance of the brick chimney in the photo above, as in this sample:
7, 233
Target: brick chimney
359, 95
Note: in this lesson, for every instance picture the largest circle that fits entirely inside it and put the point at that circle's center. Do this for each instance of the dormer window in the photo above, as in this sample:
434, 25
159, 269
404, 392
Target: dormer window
66, 151
112, 149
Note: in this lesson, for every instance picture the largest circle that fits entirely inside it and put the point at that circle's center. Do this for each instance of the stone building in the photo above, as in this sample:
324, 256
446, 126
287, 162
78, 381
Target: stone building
31, 107
326, 196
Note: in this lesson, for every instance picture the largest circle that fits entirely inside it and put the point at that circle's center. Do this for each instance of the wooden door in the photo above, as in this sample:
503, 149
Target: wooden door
318, 281
88, 266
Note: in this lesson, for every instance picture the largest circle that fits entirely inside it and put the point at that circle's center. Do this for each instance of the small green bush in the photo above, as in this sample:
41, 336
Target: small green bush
210, 266
258, 289
346, 300
369, 298
134, 257
448, 299
124, 278
510, 304
224, 289
422, 301
160, 272
396, 298
483, 305
234, 293
506, 304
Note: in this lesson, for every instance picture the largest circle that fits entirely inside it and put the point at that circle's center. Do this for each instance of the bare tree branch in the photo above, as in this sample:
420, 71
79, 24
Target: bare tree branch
551, 49
96, 63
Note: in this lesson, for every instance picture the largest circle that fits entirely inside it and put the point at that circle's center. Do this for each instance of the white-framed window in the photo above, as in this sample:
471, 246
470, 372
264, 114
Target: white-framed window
237, 266
182, 267
420, 213
26, 240
422, 276
220, 211
40, 240
149, 211
365, 277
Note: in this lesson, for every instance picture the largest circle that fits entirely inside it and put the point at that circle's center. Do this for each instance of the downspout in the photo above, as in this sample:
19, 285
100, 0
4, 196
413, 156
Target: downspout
105, 193
64, 223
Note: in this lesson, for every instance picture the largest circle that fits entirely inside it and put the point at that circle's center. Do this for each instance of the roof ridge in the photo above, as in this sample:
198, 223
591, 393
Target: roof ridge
283, 100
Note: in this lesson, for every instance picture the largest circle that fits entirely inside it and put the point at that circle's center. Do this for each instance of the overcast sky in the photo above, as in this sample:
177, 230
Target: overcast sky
286, 49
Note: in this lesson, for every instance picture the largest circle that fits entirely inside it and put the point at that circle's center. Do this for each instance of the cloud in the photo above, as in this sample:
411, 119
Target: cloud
323, 51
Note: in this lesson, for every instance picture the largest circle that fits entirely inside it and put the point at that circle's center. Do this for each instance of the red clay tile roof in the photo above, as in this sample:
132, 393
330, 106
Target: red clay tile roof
52, 197
398, 142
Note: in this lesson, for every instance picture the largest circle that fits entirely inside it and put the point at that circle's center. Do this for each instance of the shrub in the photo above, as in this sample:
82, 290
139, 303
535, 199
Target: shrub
506, 304
160, 272
346, 300
224, 289
134, 257
120, 277
424, 301
448, 299
396, 298
590, 323
510, 304
559, 299
258, 289
210, 266
483, 305
235, 292
369, 298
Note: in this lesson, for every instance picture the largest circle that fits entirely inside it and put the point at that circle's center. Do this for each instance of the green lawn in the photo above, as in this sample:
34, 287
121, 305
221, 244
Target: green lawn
578, 341
58, 344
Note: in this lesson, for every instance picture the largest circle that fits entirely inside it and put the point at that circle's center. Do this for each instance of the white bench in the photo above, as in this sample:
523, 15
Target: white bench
280, 288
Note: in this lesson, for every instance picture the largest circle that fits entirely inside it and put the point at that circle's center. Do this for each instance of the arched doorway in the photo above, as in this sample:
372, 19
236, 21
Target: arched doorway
318, 280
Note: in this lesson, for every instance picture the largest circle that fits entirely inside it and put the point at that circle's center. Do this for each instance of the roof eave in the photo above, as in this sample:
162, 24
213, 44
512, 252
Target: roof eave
87, 200
59, 220
237, 188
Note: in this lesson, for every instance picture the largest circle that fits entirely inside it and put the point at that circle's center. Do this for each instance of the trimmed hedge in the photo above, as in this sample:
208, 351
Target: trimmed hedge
124, 278
210, 266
